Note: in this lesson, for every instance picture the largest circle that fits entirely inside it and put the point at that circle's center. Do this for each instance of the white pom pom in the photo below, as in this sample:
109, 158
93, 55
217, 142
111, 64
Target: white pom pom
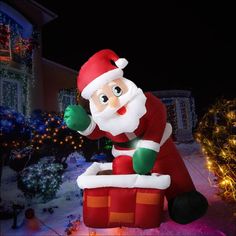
121, 63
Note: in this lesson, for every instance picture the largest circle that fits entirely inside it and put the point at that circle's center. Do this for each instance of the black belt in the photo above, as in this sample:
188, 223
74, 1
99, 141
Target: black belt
130, 144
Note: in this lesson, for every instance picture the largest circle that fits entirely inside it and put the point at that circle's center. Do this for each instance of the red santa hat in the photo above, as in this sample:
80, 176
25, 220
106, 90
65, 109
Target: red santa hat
102, 67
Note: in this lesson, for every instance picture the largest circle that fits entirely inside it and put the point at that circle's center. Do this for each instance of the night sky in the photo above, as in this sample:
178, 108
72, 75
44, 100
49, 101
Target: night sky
171, 45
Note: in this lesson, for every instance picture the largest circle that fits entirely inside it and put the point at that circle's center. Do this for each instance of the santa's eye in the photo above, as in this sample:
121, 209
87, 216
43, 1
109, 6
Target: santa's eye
117, 91
103, 99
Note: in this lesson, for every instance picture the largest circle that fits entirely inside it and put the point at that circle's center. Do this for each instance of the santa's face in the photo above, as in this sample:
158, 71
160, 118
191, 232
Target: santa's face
118, 106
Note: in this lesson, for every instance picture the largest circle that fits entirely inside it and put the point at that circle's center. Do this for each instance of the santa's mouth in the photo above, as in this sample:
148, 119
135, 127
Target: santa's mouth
121, 111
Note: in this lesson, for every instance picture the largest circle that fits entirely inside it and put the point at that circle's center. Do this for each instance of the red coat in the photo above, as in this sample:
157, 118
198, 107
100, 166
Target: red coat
152, 127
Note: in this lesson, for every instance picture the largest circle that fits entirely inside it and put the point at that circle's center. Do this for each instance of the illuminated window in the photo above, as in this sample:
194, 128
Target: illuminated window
10, 94
66, 97
16, 33
171, 112
5, 52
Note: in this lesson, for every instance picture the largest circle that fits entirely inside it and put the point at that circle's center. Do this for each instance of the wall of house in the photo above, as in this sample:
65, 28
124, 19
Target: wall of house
36, 85
55, 77
24, 20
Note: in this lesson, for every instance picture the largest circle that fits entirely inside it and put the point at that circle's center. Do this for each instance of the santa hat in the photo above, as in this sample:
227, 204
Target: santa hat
102, 67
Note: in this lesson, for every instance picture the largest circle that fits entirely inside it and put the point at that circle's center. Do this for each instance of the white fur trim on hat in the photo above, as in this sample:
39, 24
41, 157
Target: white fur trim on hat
100, 81
121, 63
90, 179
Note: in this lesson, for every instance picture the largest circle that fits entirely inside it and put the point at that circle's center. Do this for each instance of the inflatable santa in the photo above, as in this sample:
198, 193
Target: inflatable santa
136, 123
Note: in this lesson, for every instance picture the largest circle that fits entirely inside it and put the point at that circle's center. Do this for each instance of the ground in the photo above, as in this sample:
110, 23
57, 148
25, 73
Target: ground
220, 220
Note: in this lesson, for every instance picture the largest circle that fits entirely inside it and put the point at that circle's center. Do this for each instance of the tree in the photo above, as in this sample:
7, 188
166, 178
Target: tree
51, 136
216, 133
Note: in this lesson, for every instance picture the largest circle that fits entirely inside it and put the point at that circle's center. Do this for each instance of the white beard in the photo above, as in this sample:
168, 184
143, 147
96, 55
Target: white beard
110, 121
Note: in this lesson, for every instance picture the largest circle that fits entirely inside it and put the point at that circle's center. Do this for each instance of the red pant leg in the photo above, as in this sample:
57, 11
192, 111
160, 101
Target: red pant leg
170, 162
122, 165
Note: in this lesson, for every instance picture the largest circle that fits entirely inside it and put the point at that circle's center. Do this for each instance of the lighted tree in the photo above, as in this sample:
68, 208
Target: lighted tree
14, 130
33, 184
52, 137
217, 135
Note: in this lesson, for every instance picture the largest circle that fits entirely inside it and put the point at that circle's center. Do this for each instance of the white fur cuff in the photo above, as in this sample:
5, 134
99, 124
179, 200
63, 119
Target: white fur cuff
149, 145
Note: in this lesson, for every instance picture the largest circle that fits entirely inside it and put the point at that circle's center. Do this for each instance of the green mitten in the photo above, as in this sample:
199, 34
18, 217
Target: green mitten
76, 118
143, 160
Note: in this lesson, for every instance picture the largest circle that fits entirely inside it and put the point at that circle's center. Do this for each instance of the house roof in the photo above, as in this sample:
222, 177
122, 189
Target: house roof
48, 15
53, 63
172, 93
32, 11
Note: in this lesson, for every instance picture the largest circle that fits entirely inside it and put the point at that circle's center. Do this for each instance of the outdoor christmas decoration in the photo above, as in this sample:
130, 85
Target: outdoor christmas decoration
15, 130
18, 41
32, 223
29, 213
4, 39
131, 200
21, 158
66, 97
73, 225
15, 89
216, 133
52, 137
142, 145
14, 45
23, 47
41, 180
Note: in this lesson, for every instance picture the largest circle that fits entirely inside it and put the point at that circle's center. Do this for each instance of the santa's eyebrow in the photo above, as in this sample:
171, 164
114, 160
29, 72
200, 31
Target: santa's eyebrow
112, 83
99, 91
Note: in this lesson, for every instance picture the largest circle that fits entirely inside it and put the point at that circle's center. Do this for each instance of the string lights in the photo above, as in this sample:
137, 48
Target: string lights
217, 135
16, 61
14, 130
49, 130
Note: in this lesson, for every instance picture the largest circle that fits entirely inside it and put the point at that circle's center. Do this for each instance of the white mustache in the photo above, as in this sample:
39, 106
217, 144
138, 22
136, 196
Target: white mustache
108, 120
110, 111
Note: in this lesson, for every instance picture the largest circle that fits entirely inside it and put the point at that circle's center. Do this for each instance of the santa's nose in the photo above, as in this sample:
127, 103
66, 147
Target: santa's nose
113, 102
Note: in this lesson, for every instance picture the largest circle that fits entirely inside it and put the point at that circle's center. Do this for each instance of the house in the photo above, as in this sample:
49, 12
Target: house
27, 80
180, 112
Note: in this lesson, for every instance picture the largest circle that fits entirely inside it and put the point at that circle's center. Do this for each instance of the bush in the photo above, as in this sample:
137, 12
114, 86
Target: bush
216, 133
41, 180
51, 136
15, 131
21, 158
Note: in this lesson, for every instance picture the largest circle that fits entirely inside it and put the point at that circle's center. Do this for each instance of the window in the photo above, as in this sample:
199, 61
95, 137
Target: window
10, 94
66, 97
5, 54
171, 112
16, 42
185, 112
